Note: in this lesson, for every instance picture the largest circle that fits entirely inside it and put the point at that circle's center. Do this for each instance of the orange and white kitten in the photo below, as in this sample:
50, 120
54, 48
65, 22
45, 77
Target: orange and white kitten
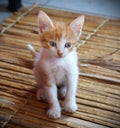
56, 66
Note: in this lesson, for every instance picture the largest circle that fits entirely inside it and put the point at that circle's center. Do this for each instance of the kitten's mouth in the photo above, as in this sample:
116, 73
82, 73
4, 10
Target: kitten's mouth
59, 56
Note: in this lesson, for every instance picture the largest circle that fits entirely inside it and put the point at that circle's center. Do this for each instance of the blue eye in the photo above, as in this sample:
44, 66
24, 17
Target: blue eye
52, 43
68, 45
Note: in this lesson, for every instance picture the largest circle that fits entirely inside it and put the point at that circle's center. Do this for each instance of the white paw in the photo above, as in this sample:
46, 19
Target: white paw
41, 94
54, 113
70, 107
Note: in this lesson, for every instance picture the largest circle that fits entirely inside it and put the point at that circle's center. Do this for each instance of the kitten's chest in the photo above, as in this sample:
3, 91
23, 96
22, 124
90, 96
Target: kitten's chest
58, 67
54, 65
57, 71
59, 74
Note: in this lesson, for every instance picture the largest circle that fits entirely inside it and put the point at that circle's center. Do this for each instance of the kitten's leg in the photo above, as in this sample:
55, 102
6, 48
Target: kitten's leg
40, 91
54, 110
70, 99
62, 92
41, 94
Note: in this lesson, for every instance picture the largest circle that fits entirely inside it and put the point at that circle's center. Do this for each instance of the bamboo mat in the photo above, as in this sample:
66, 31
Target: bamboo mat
98, 94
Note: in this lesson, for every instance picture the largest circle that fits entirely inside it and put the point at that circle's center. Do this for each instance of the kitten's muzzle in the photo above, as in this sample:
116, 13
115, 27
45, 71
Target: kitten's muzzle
59, 53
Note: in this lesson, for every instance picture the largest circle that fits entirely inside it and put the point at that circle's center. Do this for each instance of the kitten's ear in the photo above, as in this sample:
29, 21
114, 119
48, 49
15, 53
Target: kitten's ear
44, 22
76, 25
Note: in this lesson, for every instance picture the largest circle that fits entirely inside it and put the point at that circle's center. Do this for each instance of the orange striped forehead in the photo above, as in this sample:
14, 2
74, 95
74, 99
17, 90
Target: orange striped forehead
56, 33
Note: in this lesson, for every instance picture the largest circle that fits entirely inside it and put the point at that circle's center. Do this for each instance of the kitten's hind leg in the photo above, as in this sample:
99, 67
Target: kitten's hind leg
41, 94
62, 92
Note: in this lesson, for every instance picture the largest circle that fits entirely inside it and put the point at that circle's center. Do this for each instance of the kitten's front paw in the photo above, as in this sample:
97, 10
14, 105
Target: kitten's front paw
70, 107
54, 113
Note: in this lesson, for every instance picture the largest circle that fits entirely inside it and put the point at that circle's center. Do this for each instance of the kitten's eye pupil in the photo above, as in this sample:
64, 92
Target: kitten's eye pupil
52, 43
68, 44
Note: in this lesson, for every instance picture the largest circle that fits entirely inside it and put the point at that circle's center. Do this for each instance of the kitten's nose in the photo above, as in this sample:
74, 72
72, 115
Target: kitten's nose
59, 53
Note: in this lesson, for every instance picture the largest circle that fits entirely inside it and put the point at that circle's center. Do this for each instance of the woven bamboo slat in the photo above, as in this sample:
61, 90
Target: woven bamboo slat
98, 93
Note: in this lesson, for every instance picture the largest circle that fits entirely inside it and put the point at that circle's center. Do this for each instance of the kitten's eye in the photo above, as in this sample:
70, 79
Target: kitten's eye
68, 44
52, 43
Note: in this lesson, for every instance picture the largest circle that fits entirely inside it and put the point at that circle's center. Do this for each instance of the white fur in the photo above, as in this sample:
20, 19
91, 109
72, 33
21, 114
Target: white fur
62, 71
61, 67
32, 50
30, 47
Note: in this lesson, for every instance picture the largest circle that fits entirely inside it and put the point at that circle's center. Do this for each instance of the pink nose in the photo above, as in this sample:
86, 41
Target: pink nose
59, 53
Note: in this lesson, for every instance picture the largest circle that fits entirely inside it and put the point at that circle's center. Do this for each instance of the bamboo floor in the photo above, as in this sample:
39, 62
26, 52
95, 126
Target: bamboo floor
98, 93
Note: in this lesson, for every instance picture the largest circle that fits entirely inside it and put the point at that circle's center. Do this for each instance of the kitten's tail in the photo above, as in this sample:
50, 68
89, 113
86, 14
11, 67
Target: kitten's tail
31, 49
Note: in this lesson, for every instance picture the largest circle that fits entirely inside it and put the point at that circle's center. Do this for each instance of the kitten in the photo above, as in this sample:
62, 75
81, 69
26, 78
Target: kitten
56, 66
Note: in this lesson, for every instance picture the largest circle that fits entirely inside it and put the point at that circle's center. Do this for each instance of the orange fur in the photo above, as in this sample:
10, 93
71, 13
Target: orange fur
57, 63
56, 33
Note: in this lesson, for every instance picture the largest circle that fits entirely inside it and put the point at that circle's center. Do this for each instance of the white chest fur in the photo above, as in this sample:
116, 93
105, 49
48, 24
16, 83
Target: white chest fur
57, 68
59, 71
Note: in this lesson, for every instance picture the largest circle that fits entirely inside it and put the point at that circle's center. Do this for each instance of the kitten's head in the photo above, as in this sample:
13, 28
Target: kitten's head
59, 38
